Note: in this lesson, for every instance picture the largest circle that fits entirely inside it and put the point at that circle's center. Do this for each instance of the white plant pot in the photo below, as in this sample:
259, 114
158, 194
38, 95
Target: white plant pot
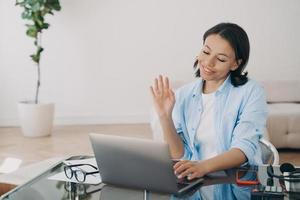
36, 120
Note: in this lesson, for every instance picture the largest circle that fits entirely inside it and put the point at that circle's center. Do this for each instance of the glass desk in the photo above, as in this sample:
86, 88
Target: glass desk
41, 188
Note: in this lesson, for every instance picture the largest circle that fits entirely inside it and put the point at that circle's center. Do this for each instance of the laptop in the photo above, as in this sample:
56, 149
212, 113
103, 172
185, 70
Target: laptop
138, 163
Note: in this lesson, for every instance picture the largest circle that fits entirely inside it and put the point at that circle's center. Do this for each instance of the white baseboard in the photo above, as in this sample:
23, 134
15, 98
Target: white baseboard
9, 122
125, 119
87, 120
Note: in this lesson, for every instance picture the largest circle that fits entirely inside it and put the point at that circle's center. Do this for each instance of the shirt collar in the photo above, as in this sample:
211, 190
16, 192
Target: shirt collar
198, 87
223, 88
225, 85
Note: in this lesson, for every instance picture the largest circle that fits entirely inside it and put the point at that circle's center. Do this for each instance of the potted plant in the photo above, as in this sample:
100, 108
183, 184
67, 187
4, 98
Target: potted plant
36, 118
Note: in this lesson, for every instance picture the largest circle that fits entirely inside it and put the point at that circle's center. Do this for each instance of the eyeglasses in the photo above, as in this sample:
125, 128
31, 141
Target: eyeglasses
80, 175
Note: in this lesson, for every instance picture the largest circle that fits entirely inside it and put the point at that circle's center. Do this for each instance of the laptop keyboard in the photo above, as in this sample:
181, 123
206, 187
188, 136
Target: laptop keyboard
181, 183
184, 181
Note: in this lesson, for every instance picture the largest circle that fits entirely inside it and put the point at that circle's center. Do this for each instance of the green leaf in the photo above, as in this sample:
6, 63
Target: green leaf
45, 25
27, 15
20, 3
53, 4
45, 11
35, 58
36, 7
32, 31
39, 50
38, 20
30, 2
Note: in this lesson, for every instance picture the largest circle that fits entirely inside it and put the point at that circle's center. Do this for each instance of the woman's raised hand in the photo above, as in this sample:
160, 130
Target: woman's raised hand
163, 96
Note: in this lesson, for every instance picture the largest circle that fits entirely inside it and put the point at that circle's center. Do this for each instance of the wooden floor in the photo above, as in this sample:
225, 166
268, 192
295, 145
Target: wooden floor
73, 140
65, 141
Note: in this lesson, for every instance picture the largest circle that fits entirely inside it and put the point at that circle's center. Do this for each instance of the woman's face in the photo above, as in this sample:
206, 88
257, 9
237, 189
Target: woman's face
216, 59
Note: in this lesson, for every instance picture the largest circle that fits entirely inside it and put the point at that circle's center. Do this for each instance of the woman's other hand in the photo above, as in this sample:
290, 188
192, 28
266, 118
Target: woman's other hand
163, 96
191, 169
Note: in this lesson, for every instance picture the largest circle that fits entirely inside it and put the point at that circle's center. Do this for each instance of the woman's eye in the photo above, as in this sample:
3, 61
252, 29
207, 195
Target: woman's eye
205, 52
221, 60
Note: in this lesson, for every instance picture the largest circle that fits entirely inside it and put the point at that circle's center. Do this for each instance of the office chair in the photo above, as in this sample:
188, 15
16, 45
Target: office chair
269, 152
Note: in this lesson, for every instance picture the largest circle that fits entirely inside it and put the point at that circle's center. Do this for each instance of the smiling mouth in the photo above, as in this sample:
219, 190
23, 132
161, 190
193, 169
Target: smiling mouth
206, 70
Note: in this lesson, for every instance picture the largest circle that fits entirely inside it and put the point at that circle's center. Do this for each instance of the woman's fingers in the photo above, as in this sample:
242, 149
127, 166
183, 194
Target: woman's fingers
155, 85
188, 172
162, 86
157, 90
193, 175
191, 169
182, 166
152, 91
166, 84
187, 168
179, 163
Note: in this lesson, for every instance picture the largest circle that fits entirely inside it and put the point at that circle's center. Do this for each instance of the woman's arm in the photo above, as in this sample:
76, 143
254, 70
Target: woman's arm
171, 137
229, 159
164, 100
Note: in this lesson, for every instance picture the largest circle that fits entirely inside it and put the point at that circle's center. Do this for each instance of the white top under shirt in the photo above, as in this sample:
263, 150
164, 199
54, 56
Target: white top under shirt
206, 136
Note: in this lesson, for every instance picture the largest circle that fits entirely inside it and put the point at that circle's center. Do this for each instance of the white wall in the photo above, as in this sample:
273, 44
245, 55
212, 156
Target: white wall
101, 55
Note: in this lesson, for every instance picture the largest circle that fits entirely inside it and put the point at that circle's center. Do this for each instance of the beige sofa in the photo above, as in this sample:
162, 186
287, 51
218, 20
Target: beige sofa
283, 123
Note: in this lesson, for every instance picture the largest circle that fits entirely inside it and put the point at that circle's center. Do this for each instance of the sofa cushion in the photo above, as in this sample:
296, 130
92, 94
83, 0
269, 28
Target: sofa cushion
282, 91
283, 124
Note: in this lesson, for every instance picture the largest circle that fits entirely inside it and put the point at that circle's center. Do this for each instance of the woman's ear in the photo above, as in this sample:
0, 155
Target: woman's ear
236, 65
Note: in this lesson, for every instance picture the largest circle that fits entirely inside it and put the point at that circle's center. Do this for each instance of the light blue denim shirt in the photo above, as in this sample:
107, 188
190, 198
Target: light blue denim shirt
239, 114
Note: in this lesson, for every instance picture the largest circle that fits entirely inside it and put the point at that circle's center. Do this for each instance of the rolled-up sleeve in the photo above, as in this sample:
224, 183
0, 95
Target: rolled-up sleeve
187, 155
250, 125
178, 119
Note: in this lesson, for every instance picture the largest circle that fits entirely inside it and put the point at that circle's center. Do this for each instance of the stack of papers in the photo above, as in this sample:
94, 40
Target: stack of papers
90, 179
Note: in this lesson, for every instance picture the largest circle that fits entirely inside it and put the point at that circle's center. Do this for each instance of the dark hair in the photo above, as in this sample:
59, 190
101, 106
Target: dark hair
238, 39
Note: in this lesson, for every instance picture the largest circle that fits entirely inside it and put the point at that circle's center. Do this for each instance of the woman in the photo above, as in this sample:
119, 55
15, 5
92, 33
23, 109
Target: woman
216, 121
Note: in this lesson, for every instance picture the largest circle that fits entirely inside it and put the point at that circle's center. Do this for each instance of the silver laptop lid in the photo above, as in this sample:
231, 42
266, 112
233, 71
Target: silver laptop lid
134, 162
